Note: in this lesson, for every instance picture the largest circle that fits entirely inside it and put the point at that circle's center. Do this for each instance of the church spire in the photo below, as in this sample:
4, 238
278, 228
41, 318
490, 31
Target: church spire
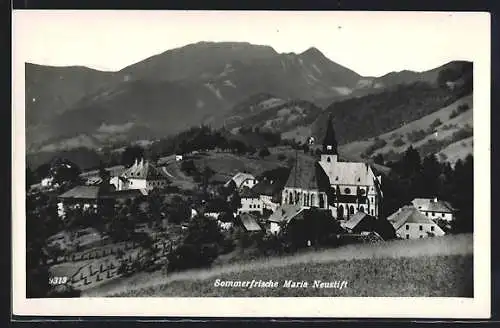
330, 143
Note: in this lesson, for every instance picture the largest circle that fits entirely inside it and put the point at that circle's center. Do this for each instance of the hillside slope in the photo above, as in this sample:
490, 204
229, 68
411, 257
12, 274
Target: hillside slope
431, 267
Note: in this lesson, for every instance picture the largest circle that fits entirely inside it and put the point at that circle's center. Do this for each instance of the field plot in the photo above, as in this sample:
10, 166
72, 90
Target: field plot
432, 267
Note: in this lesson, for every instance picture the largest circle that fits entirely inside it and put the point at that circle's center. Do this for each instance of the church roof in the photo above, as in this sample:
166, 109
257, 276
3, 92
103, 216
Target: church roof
349, 173
330, 137
408, 214
304, 174
144, 170
427, 204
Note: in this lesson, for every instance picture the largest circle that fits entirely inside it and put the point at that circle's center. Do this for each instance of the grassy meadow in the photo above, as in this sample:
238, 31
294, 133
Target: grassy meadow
440, 267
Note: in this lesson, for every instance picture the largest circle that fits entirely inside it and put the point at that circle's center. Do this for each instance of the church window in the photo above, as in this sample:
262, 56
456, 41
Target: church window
340, 212
328, 159
321, 201
312, 200
347, 190
361, 209
290, 198
420, 227
442, 214
407, 227
371, 211
336, 178
351, 210
432, 228
407, 236
359, 179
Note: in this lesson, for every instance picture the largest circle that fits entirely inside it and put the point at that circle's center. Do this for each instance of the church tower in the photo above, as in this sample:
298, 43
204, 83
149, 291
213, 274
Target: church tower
329, 154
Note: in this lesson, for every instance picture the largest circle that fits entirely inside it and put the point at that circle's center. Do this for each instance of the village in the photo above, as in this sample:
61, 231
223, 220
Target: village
151, 215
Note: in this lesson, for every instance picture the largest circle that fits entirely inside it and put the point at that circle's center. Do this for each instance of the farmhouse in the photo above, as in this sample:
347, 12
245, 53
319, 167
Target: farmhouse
409, 223
250, 202
141, 175
360, 222
345, 188
434, 209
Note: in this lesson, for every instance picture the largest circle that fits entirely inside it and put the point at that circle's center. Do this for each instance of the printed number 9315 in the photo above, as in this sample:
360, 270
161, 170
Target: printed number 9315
58, 280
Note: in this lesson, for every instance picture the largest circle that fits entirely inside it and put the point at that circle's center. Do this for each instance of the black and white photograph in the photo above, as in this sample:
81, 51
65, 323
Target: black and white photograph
251, 163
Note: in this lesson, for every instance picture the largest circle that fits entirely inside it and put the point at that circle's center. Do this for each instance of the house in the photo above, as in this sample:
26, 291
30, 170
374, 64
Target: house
226, 220
360, 222
80, 196
214, 207
410, 223
242, 180
342, 187
282, 216
47, 182
250, 202
434, 209
141, 175
269, 191
249, 223
178, 158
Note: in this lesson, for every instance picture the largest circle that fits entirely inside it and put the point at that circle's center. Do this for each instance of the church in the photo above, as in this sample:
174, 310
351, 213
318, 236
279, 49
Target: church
344, 188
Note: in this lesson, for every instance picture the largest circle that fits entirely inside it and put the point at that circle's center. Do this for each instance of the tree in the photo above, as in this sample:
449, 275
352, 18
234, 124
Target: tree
264, 152
65, 171
131, 154
30, 178
378, 159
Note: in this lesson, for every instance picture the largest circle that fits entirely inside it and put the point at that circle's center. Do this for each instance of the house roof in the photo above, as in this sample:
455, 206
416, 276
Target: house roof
354, 220
81, 192
304, 174
427, 204
268, 187
145, 170
241, 177
249, 222
285, 213
408, 214
124, 194
248, 193
349, 173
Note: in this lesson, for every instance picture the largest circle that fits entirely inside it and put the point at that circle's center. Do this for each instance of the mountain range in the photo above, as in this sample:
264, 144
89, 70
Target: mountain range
202, 83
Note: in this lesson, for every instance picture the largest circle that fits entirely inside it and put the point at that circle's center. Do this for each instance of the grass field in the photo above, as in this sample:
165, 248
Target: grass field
430, 267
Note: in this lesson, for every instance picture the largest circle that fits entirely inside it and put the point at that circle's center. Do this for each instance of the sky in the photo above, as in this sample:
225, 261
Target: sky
370, 43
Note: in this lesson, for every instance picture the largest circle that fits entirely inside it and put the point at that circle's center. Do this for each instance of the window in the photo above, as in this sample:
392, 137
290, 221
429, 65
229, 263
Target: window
420, 236
442, 214
312, 200
420, 228
351, 210
361, 209
407, 236
433, 213
432, 228
371, 211
407, 227
426, 213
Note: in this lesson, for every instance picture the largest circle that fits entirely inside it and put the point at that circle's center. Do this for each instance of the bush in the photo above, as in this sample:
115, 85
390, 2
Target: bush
281, 157
416, 135
377, 144
453, 114
437, 122
398, 142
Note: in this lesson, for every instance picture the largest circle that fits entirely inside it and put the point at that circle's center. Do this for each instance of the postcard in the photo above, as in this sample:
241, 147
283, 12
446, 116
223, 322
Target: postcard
251, 164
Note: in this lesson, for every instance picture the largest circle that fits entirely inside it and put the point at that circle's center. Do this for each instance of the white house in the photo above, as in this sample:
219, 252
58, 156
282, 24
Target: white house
47, 182
141, 175
343, 187
434, 209
409, 223
242, 180
268, 191
250, 202
178, 158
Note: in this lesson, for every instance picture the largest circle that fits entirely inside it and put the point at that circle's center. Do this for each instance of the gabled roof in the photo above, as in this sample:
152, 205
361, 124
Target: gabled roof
349, 173
81, 192
144, 170
249, 222
268, 187
354, 220
304, 174
408, 214
285, 213
248, 193
427, 204
241, 177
